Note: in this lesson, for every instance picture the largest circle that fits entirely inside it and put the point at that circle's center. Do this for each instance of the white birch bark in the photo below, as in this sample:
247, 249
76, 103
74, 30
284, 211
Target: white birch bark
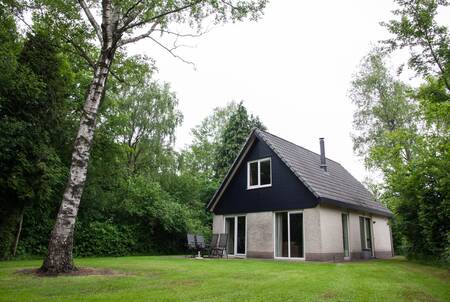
59, 256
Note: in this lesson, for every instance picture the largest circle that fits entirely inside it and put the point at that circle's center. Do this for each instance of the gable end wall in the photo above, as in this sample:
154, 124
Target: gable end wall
287, 191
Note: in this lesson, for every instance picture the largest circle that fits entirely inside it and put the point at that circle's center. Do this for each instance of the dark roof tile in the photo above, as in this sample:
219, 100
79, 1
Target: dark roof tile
335, 185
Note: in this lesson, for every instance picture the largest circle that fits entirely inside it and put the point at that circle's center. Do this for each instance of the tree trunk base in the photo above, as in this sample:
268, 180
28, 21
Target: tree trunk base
59, 258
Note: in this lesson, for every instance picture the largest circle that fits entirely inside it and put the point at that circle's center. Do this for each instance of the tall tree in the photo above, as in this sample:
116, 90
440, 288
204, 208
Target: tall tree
428, 41
395, 134
233, 138
144, 117
420, 188
33, 106
383, 110
113, 24
200, 157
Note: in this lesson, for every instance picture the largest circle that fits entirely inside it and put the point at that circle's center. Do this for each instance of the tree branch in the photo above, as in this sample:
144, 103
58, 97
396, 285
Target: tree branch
87, 11
131, 8
127, 18
163, 31
436, 60
171, 51
160, 16
139, 37
81, 52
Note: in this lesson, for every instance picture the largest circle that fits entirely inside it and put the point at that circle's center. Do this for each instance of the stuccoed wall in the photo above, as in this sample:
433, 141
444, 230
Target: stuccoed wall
260, 235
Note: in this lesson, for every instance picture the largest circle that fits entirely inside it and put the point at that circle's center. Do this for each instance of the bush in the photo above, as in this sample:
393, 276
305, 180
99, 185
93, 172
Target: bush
103, 239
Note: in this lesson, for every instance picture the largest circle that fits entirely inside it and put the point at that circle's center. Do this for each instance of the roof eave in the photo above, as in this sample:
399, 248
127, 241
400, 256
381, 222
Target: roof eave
342, 204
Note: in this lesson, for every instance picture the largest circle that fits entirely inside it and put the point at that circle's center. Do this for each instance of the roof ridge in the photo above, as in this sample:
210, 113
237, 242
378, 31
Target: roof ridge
297, 145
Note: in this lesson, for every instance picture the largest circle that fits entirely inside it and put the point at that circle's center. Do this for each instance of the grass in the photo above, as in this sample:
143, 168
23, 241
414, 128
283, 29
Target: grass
179, 279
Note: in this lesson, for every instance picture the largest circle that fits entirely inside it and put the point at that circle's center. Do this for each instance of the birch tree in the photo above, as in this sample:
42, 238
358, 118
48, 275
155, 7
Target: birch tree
111, 25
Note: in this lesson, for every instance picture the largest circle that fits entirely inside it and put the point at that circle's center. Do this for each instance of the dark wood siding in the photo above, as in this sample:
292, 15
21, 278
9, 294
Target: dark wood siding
286, 193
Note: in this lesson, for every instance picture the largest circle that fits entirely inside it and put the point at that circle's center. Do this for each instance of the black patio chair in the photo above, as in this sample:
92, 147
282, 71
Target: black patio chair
201, 244
221, 246
191, 245
212, 245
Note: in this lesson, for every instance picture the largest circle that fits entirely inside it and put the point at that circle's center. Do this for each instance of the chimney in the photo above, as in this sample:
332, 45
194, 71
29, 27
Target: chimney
323, 160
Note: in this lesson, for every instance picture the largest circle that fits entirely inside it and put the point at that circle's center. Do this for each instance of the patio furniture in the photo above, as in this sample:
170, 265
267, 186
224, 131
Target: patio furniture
201, 244
191, 245
213, 244
221, 247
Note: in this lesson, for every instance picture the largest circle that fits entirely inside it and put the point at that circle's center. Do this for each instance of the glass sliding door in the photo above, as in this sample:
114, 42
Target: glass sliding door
365, 226
235, 227
345, 234
229, 229
368, 233
281, 234
240, 235
296, 235
289, 235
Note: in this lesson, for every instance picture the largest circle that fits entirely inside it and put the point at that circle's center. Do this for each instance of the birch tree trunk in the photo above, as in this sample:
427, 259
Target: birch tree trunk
19, 230
59, 256
118, 22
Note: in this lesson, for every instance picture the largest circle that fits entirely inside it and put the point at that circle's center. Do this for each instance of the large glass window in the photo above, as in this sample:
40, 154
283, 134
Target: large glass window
345, 234
259, 173
235, 228
365, 227
289, 235
264, 170
253, 174
296, 235
240, 236
281, 234
229, 229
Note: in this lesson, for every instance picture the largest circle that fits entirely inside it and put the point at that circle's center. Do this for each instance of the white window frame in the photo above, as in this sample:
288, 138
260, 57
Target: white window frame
289, 235
235, 253
250, 187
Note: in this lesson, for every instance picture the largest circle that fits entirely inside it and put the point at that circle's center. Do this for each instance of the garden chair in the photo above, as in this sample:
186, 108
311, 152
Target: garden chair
191, 245
221, 245
201, 244
211, 248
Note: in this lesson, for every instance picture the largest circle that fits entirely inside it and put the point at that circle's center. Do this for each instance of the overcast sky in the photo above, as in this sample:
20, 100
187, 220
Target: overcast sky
292, 68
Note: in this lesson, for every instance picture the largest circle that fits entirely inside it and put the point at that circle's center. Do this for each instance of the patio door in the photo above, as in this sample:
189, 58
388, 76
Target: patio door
365, 226
345, 235
235, 227
289, 235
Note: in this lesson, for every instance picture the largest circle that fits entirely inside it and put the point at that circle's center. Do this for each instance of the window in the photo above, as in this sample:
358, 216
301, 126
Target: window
253, 167
345, 234
235, 227
288, 235
366, 232
259, 173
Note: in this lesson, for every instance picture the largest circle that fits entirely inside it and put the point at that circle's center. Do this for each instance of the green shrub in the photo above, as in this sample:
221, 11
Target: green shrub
103, 238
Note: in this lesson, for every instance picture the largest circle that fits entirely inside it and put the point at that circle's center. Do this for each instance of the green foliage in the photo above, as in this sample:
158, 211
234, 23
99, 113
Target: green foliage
32, 107
103, 238
140, 196
417, 29
233, 137
386, 118
418, 189
201, 156
134, 200
403, 133
199, 163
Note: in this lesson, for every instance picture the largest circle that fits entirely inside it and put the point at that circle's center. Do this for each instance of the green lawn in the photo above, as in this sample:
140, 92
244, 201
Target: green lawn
179, 279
